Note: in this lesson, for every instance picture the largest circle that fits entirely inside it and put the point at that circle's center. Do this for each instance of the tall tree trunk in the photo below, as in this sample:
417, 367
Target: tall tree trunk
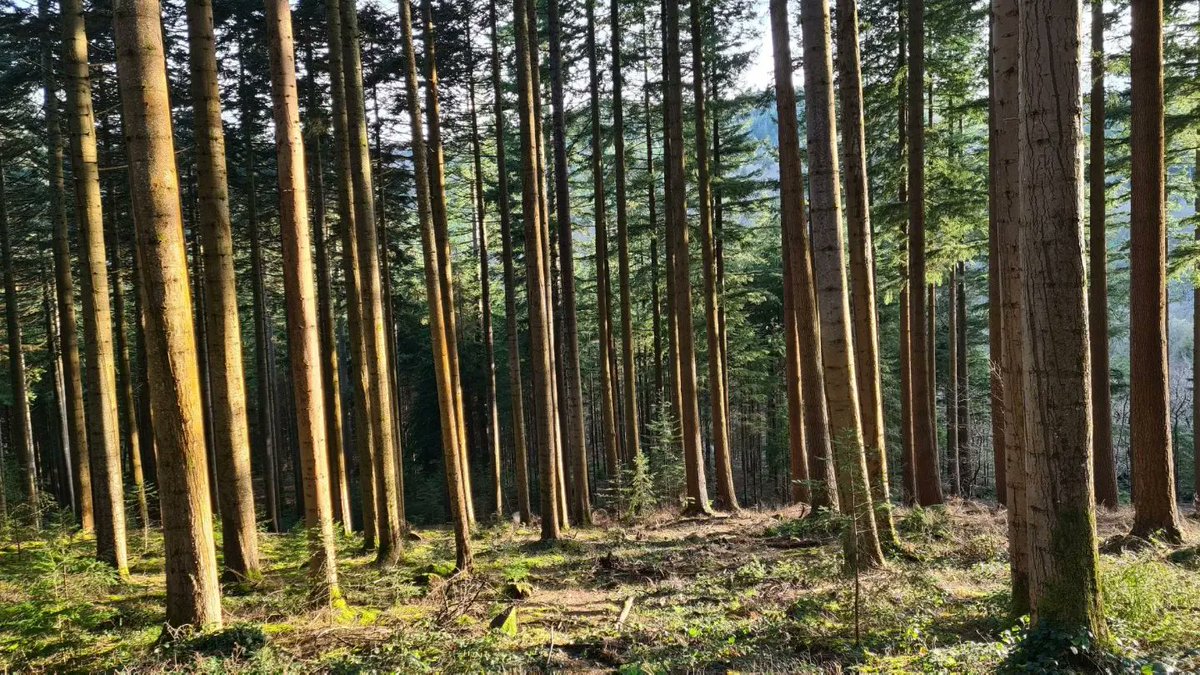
812, 467
862, 265
862, 546
66, 486
608, 407
440, 332
359, 372
1149, 396
389, 491
231, 443
926, 469
304, 340
515, 383
996, 329
718, 395
628, 362
437, 194
537, 275
64, 287
575, 446
952, 449
1105, 468
966, 462
907, 450
1006, 197
21, 435
1064, 563
693, 456
101, 402
193, 594
652, 219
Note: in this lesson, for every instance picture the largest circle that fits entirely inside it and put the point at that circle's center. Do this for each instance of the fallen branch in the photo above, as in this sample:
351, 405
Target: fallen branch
625, 612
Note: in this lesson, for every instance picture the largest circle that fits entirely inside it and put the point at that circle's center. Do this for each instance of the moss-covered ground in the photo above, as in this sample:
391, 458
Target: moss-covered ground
760, 591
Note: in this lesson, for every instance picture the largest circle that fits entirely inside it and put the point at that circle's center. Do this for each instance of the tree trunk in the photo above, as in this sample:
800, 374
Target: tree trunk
440, 332
64, 287
718, 395
223, 327
359, 372
907, 450
574, 441
21, 435
953, 450
812, 468
101, 402
693, 456
1064, 563
862, 265
304, 340
996, 329
652, 219
516, 386
66, 487
862, 546
628, 362
193, 595
926, 469
966, 462
1151, 454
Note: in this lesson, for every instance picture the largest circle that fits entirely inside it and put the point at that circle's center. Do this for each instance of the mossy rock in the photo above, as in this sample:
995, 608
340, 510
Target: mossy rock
517, 590
506, 621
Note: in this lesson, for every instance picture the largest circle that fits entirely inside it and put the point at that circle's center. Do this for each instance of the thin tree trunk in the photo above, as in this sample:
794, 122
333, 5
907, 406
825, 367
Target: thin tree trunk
907, 450
1153, 469
927, 474
1064, 563
952, 448
862, 265
996, 329
304, 340
628, 362
966, 463
65, 481
862, 546
193, 595
227, 390
516, 386
64, 287
101, 402
652, 218
440, 332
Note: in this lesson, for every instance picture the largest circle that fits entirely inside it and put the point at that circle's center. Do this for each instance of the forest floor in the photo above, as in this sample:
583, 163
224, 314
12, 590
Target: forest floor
761, 591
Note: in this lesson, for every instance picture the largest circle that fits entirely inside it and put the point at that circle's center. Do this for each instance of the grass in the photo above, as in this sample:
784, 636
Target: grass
761, 591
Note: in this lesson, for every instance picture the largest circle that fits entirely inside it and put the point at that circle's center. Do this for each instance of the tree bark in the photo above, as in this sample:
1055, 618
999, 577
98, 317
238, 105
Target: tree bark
996, 329
862, 546
628, 359
953, 451
235, 490
101, 402
926, 469
304, 340
966, 462
1064, 563
1151, 455
193, 594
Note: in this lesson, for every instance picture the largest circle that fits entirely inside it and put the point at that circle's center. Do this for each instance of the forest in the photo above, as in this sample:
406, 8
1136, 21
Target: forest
639, 336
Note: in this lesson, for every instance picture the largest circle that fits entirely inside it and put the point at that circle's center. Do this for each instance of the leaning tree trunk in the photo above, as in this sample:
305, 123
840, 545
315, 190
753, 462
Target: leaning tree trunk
515, 385
927, 466
21, 435
718, 383
64, 287
685, 355
440, 333
227, 389
101, 402
862, 265
193, 595
807, 413
845, 426
1105, 468
1151, 454
1064, 564
304, 340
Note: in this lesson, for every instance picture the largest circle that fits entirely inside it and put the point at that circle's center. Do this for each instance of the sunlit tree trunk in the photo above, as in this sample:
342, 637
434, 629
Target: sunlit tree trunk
953, 451
101, 402
1151, 454
304, 341
359, 374
389, 493
193, 595
926, 469
1064, 564
64, 287
440, 332
239, 540
516, 385
812, 466
845, 423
